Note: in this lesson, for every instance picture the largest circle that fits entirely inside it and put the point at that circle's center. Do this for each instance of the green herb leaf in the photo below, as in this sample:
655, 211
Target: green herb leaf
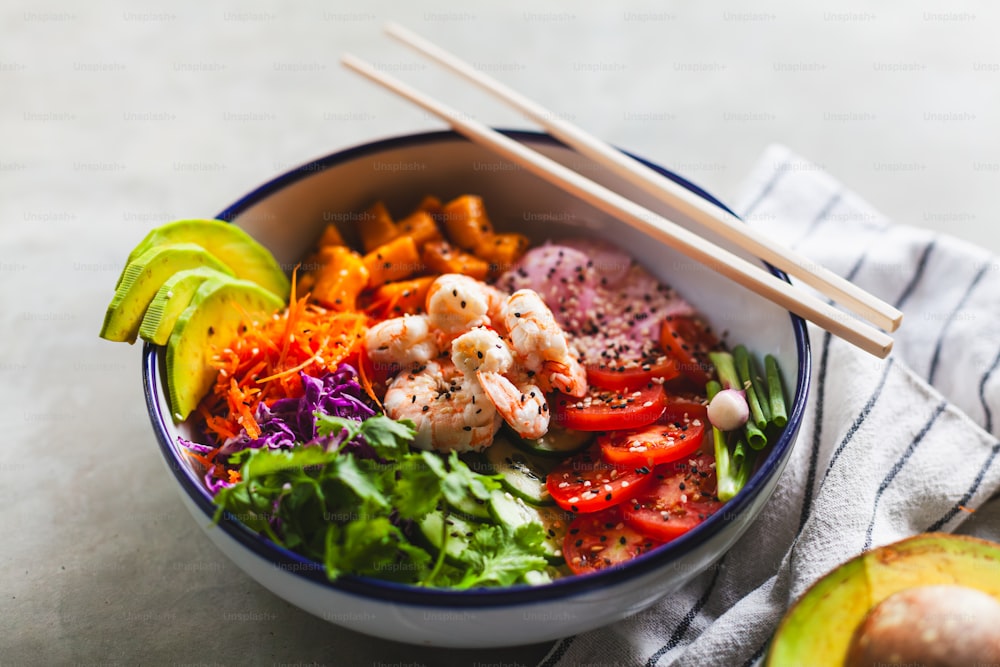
500, 558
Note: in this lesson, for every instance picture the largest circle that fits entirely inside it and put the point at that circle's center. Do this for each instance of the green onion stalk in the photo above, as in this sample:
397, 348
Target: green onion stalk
736, 450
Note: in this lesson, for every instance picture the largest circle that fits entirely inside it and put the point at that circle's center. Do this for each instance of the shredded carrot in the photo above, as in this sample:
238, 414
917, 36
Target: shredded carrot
365, 380
200, 458
263, 363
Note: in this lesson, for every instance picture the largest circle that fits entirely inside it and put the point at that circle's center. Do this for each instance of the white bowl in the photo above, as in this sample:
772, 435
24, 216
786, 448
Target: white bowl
287, 215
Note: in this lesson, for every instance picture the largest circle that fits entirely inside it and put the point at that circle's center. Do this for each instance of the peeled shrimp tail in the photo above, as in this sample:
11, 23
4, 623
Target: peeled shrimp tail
540, 344
524, 408
568, 376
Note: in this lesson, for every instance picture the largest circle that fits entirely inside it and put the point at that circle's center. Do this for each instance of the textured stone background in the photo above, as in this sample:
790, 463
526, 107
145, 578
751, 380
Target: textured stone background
116, 116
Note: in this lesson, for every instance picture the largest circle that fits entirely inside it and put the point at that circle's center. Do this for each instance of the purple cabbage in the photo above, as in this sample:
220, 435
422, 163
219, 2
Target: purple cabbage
289, 422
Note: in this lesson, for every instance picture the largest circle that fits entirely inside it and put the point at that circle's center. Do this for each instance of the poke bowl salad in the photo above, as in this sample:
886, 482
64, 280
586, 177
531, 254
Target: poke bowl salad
429, 397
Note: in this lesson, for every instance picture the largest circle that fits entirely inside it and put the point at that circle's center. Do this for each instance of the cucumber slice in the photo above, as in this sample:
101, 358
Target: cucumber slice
512, 512
555, 521
432, 529
537, 577
471, 508
521, 473
558, 442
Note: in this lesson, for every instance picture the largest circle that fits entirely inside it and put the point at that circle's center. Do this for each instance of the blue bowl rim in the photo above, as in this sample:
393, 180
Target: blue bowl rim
406, 594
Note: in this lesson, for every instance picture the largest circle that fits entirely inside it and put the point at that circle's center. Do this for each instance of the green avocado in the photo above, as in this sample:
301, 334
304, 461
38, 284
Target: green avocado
238, 250
213, 319
140, 281
170, 301
831, 620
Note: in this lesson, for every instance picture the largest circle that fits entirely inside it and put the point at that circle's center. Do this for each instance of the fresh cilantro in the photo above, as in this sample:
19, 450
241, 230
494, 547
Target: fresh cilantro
357, 515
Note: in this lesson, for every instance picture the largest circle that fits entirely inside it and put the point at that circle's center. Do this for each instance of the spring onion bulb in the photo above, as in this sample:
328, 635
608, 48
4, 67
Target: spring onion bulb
728, 410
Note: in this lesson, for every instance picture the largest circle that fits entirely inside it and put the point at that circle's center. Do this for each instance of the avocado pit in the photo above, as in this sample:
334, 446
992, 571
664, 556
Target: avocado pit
935, 626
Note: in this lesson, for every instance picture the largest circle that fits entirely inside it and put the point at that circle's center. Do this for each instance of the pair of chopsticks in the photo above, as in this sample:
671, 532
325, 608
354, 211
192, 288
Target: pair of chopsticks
838, 322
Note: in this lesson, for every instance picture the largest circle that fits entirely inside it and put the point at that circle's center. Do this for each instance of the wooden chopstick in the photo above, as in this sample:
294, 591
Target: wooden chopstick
739, 270
715, 218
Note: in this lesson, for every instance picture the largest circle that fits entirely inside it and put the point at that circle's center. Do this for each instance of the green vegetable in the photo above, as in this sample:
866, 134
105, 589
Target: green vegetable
726, 367
356, 515
751, 381
736, 451
732, 465
779, 414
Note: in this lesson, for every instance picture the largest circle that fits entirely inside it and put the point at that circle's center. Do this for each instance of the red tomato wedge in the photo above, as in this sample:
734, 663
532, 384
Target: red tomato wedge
601, 540
685, 405
688, 340
668, 439
632, 374
682, 496
586, 483
608, 409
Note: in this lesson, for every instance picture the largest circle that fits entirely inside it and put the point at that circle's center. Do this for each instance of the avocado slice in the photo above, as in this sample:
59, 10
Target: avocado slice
247, 258
819, 628
142, 278
171, 299
213, 318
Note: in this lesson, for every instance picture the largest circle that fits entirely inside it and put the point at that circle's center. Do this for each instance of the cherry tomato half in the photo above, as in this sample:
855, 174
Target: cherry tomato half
682, 496
688, 340
601, 540
608, 409
628, 374
666, 440
585, 482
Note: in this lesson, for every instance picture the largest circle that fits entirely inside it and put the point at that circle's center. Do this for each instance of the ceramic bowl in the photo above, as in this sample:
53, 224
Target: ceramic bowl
287, 215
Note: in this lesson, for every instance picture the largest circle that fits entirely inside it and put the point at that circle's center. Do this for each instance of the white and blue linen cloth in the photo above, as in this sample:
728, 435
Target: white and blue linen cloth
888, 448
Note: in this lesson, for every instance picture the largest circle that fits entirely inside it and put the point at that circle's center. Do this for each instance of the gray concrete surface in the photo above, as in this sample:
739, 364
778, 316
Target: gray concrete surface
117, 116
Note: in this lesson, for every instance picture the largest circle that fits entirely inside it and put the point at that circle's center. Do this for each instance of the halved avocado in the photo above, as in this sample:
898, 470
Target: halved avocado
818, 630
247, 258
171, 299
140, 281
213, 319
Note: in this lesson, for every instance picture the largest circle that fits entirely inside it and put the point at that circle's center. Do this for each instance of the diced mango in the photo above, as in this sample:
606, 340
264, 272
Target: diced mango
465, 221
431, 204
376, 227
421, 226
442, 257
331, 236
501, 250
402, 297
340, 279
394, 260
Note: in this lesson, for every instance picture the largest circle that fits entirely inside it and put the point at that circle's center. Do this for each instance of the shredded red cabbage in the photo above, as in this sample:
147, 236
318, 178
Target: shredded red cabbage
289, 422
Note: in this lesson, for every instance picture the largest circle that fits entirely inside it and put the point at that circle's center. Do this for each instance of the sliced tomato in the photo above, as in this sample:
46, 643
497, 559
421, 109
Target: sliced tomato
688, 340
585, 482
601, 540
608, 409
668, 439
628, 374
682, 496
681, 405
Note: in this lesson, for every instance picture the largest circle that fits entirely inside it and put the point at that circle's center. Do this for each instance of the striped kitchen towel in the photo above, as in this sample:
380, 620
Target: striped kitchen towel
888, 448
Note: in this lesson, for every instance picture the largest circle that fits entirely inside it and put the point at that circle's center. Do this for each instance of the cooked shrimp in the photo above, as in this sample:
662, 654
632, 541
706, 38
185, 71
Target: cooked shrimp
522, 404
450, 410
457, 303
541, 346
481, 350
406, 341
